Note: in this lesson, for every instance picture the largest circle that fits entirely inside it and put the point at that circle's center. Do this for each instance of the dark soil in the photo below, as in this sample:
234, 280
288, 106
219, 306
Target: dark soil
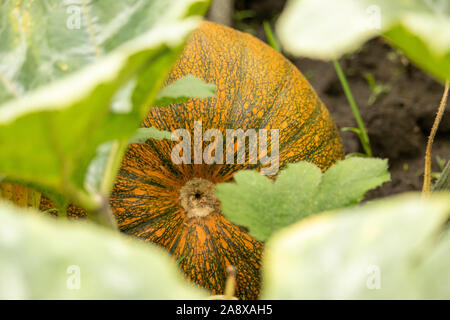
398, 121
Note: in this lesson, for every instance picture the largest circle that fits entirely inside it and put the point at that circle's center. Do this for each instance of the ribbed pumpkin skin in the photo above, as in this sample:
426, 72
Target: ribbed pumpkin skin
256, 88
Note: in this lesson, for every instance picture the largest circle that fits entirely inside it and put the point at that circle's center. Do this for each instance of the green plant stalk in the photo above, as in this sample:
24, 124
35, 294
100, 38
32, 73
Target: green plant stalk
112, 166
363, 136
116, 153
271, 37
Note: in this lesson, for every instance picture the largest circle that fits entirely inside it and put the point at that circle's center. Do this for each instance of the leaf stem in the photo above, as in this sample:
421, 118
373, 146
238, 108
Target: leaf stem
271, 37
61, 211
112, 165
97, 206
230, 283
362, 134
427, 172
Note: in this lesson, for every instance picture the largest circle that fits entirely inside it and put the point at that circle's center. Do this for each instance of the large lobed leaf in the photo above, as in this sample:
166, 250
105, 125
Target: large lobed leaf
41, 258
46, 40
389, 249
265, 206
327, 29
103, 77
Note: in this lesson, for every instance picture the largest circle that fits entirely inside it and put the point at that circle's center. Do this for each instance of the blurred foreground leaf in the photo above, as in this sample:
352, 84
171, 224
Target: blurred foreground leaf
327, 29
46, 40
42, 258
104, 74
394, 248
265, 206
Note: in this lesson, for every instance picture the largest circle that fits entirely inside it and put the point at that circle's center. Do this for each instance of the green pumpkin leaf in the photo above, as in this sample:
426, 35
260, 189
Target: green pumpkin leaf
265, 206
70, 87
389, 249
443, 182
44, 258
327, 29
143, 134
183, 89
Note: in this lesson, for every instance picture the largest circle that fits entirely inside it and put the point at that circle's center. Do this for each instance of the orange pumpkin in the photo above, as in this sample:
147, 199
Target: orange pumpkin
174, 205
